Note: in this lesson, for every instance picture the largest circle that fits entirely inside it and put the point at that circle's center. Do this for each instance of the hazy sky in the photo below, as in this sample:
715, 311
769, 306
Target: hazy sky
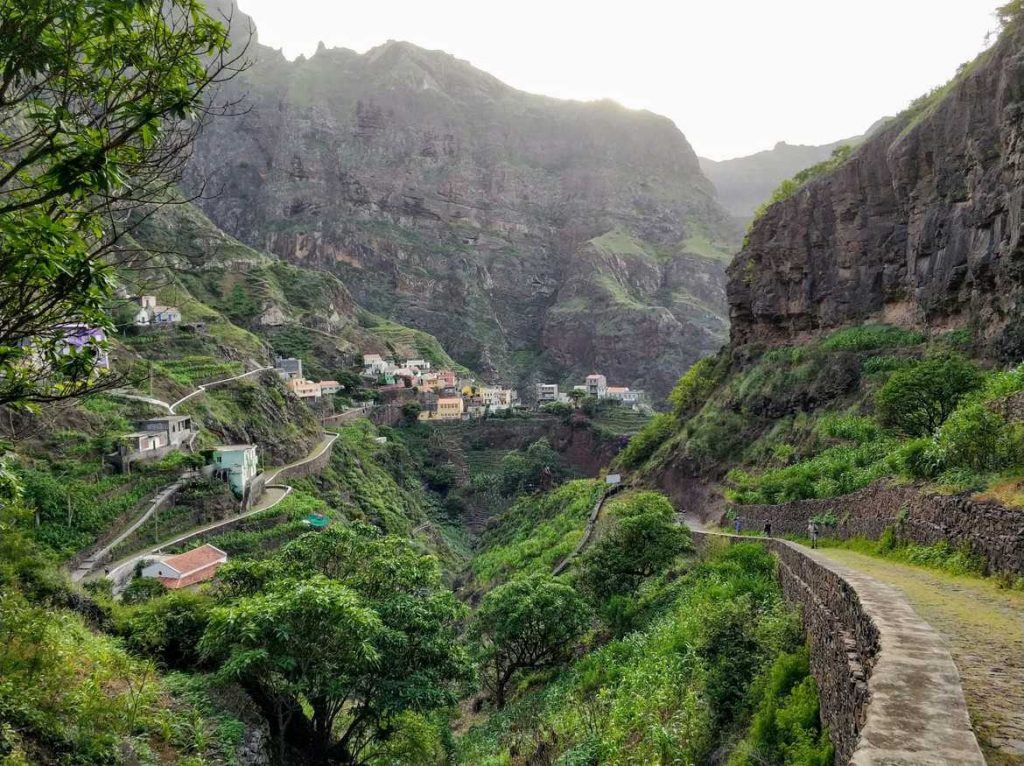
735, 75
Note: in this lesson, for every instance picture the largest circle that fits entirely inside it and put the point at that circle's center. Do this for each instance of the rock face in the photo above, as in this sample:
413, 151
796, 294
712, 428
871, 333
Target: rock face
450, 201
744, 183
921, 227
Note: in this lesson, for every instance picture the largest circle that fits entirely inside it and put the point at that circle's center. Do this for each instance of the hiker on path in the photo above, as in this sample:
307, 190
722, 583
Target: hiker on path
767, 529
737, 524
812, 531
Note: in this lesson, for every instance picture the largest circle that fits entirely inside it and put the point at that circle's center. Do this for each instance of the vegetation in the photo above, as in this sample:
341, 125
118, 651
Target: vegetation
336, 637
640, 540
918, 399
529, 624
99, 102
672, 691
791, 186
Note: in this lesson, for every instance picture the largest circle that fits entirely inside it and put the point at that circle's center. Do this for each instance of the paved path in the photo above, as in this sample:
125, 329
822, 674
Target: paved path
159, 403
202, 389
917, 714
271, 497
86, 567
983, 627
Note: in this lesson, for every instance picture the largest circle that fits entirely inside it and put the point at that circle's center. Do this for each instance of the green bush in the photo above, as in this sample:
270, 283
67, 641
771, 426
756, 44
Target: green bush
870, 337
976, 438
918, 399
785, 730
694, 387
640, 540
656, 432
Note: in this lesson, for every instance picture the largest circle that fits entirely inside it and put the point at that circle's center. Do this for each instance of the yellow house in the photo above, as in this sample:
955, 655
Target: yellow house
448, 408
304, 389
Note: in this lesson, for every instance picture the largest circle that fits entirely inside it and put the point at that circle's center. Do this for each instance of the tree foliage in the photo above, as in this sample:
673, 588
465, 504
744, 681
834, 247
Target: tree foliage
640, 541
99, 103
917, 400
529, 623
336, 637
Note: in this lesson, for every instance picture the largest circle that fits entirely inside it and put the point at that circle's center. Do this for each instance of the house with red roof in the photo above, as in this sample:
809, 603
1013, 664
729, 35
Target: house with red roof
195, 566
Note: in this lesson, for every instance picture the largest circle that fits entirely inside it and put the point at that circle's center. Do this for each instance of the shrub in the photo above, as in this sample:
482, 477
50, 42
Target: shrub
644, 444
785, 728
693, 388
524, 625
869, 337
918, 399
974, 437
143, 589
641, 541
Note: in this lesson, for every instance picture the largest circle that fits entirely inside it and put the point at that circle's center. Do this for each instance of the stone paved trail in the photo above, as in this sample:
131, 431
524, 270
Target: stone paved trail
984, 628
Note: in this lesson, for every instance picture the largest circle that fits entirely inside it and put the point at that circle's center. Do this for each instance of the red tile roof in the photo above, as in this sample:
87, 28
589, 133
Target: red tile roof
196, 565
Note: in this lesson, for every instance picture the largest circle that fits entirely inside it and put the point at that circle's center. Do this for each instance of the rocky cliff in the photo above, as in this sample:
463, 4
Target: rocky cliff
921, 226
450, 201
744, 183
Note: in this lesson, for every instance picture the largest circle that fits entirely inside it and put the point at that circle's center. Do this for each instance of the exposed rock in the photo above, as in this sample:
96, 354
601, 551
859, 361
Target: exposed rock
452, 202
921, 227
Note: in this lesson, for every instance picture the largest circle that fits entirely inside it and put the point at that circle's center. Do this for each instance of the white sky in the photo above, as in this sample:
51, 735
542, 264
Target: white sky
735, 75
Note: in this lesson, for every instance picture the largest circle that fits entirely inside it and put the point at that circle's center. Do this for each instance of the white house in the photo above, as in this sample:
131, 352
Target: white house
165, 315
597, 385
189, 568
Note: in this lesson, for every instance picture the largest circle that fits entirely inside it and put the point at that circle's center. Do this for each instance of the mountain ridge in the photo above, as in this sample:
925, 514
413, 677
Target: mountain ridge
450, 201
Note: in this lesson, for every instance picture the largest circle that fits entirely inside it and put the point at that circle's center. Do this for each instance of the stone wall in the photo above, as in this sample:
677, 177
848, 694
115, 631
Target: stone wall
889, 690
842, 638
991, 531
307, 468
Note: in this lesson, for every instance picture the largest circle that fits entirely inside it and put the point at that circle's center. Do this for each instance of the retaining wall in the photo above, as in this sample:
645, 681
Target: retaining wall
989, 530
890, 692
315, 465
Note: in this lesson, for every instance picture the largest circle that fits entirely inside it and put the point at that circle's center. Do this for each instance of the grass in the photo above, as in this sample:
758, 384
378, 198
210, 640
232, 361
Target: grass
536, 533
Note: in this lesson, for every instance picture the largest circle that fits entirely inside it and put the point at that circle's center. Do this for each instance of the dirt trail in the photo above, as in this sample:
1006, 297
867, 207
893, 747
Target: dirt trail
984, 628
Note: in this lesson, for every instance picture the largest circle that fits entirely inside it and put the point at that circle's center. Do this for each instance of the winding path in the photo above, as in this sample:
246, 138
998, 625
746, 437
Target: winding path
983, 627
916, 713
200, 389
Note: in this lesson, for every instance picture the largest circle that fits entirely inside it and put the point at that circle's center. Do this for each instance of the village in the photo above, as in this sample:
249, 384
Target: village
413, 385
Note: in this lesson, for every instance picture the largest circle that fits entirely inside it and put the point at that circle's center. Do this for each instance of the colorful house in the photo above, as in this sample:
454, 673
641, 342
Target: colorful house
304, 389
448, 408
236, 464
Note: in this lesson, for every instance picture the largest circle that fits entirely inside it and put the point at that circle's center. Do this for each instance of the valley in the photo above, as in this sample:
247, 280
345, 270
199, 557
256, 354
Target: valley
361, 409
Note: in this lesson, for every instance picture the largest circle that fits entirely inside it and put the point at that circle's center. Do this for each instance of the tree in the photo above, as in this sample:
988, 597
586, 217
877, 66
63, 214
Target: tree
527, 624
300, 641
411, 412
529, 470
917, 399
100, 101
416, 661
641, 541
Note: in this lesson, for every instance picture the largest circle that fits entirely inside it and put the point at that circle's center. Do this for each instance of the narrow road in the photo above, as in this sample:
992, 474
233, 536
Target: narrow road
94, 559
983, 626
140, 398
202, 389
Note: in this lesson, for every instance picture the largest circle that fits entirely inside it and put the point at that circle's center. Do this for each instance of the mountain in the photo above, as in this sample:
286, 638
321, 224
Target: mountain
744, 183
921, 227
534, 237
